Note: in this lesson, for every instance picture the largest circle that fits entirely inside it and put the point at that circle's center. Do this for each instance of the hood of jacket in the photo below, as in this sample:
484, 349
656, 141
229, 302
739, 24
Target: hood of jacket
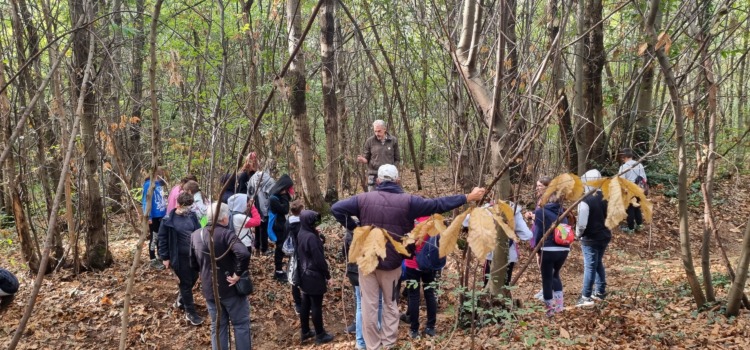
309, 220
237, 203
390, 186
591, 175
554, 207
283, 183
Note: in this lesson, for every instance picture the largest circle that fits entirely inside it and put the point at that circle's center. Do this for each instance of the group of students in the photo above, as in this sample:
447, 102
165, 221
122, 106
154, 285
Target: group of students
256, 202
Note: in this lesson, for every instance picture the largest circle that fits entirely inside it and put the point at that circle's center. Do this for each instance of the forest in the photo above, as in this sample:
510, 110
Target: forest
96, 97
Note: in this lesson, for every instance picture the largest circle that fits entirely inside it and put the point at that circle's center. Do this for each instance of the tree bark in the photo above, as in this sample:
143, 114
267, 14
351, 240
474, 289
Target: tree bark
330, 100
567, 136
737, 291
134, 148
679, 120
297, 84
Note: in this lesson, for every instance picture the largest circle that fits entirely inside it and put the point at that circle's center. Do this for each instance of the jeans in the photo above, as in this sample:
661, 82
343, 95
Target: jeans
635, 217
593, 269
358, 316
312, 304
551, 264
414, 280
237, 310
261, 236
187, 278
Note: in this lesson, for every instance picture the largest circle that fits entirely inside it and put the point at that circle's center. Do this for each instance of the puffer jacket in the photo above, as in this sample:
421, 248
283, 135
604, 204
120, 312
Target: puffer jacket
311, 260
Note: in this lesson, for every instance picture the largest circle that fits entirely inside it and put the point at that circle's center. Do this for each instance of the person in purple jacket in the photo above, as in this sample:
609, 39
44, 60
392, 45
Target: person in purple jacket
391, 209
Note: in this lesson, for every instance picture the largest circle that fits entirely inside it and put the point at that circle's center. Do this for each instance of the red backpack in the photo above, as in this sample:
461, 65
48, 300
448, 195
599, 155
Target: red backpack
564, 234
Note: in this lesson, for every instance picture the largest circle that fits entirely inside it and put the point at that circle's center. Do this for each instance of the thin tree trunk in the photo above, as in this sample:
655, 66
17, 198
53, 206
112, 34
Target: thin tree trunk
297, 100
736, 292
666, 67
567, 136
134, 149
330, 101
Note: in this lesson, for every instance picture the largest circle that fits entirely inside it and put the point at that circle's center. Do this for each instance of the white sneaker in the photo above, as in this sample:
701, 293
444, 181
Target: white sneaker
539, 296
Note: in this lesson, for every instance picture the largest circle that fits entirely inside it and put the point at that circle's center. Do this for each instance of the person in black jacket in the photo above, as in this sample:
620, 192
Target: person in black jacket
313, 277
174, 251
594, 237
278, 207
552, 255
234, 261
8, 289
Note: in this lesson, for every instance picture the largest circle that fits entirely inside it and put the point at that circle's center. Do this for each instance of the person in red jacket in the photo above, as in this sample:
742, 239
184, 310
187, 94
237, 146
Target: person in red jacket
417, 279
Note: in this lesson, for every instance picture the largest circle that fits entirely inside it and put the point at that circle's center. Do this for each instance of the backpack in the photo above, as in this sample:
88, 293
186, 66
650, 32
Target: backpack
428, 259
292, 274
271, 221
564, 234
642, 182
288, 247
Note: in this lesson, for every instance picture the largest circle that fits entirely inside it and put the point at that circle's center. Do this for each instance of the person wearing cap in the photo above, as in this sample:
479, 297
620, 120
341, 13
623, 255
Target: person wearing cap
379, 149
389, 208
632, 171
594, 237
8, 289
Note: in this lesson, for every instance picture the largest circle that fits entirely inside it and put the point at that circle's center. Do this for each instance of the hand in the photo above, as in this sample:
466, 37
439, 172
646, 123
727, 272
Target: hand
149, 222
476, 194
166, 263
361, 159
233, 279
529, 215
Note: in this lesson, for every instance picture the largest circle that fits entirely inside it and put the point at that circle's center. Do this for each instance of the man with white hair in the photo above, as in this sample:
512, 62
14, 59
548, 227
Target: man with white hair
393, 210
379, 149
235, 260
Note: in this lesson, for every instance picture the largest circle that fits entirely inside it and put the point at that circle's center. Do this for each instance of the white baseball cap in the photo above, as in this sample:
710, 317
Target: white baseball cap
387, 172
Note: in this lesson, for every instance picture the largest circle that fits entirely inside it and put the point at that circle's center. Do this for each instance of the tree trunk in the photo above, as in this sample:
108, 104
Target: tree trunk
567, 136
297, 84
591, 119
330, 101
134, 149
737, 291
98, 255
679, 120
28, 253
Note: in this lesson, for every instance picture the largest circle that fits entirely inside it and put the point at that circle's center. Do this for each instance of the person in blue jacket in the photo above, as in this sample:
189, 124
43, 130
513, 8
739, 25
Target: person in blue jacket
157, 213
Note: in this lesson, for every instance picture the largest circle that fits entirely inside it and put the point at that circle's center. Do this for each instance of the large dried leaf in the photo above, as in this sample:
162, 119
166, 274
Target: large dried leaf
449, 237
396, 244
430, 227
567, 186
373, 249
616, 206
355, 249
482, 232
504, 216
634, 191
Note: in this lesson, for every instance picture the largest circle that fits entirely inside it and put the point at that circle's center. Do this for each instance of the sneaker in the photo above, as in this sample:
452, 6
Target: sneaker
352, 329
306, 336
598, 296
430, 332
297, 309
157, 264
194, 318
414, 334
584, 302
178, 305
280, 276
639, 228
539, 296
323, 338
627, 230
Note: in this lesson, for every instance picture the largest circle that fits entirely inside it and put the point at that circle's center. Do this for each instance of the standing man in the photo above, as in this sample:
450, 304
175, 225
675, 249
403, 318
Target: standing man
379, 149
234, 261
391, 209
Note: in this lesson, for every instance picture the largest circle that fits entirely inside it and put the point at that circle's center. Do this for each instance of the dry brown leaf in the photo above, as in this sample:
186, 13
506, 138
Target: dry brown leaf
482, 232
355, 250
399, 247
373, 249
616, 206
634, 191
449, 237
439, 223
504, 217
568, 186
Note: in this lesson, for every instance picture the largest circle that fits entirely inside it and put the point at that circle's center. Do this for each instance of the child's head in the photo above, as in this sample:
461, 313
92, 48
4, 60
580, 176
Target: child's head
184, 199
626, 154
296, 207
191, 187
188, 177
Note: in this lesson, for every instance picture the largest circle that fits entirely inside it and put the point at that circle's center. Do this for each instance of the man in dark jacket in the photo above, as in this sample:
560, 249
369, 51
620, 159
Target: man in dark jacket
234, 261
380, 148
174, 251
391, 209
278, 207
314, 277
594, 237
8, 289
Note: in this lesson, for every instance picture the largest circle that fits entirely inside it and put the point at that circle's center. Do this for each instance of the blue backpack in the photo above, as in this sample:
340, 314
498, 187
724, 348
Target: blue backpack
428, 259
271, 221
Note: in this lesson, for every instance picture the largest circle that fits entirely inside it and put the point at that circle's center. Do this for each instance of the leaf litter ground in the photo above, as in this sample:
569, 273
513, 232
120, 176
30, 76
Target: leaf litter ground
648, 307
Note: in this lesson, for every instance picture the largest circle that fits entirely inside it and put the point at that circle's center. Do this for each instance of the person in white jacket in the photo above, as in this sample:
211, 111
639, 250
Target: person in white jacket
635, 173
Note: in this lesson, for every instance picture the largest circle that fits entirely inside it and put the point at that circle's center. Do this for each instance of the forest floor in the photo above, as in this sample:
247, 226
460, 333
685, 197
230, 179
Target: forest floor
649, 304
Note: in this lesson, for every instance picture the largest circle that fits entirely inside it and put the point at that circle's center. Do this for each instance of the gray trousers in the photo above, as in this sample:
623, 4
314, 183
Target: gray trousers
237, 310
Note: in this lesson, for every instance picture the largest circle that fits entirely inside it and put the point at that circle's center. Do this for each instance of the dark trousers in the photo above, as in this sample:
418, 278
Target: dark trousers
551, 264
297, 296
187, 278
508, 275
414, 280
312, 304
153, 231
261, 236
635, 217
278, 253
